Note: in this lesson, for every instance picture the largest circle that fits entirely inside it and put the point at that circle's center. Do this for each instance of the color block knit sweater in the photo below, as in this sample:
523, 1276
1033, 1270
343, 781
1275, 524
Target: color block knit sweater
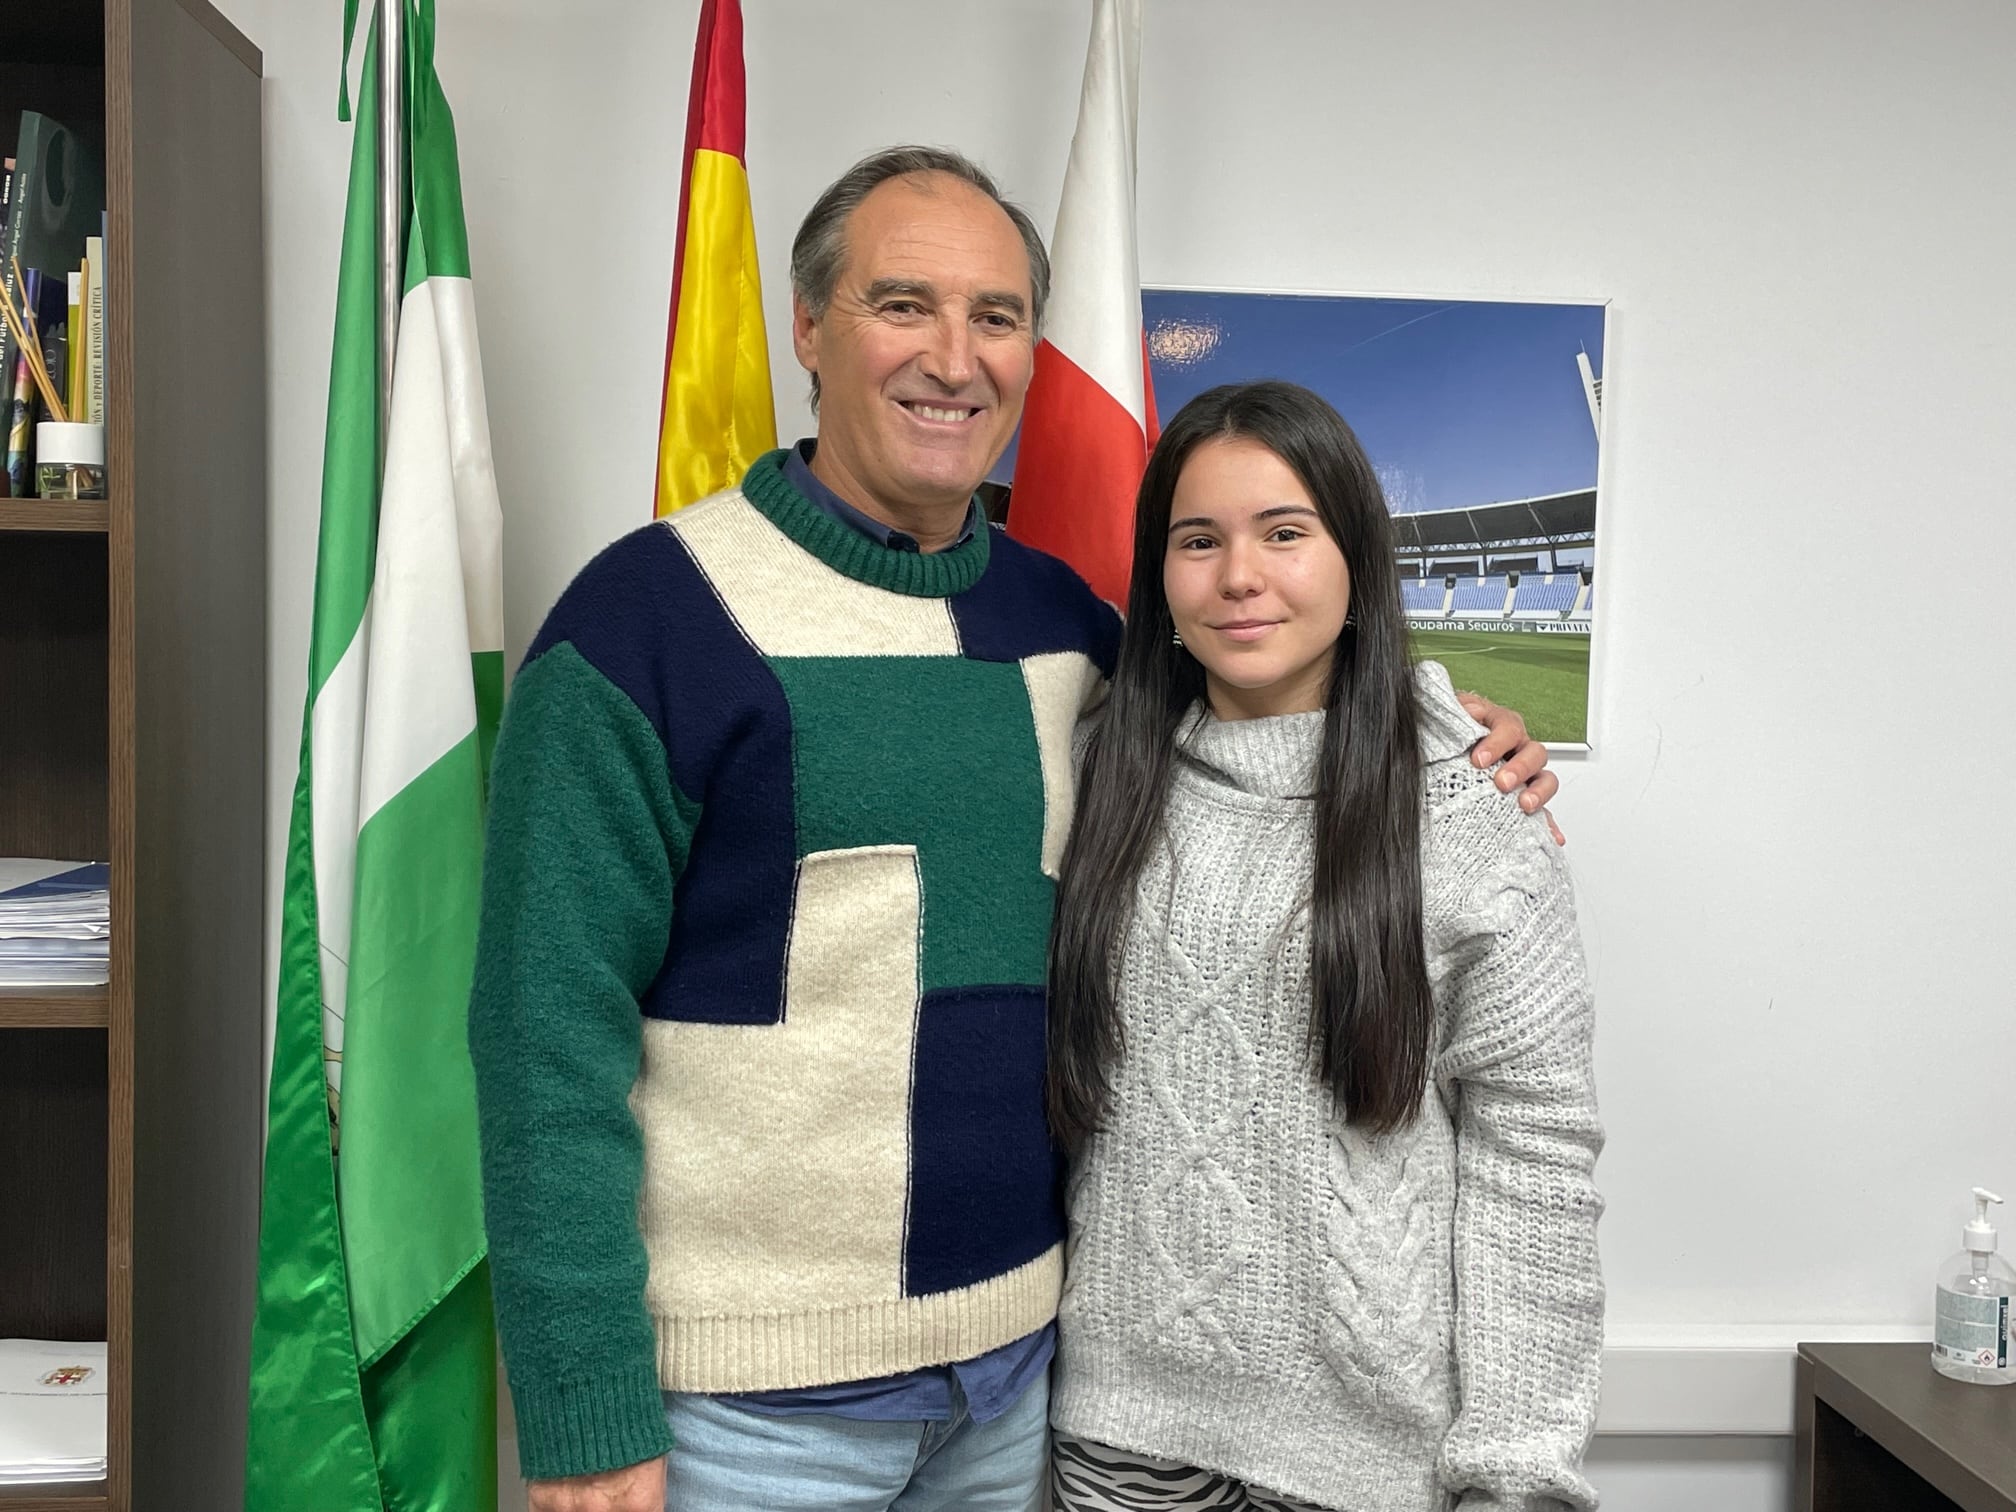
759, 1013
1373, 1324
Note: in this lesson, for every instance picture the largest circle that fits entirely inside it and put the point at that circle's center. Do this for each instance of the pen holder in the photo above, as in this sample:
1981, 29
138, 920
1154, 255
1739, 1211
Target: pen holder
69, 460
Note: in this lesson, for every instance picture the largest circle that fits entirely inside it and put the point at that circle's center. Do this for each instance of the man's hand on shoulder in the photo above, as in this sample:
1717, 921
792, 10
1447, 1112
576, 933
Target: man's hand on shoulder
1525, 759
634, 1488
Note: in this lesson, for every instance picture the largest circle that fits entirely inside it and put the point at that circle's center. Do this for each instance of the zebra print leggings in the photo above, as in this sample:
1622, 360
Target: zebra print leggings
1089, 1477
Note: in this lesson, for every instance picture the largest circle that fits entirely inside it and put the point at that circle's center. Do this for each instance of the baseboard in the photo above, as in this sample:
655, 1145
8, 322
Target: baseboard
1704, 1380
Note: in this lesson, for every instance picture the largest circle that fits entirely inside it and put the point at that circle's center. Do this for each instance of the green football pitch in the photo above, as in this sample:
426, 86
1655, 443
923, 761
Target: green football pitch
1544, 677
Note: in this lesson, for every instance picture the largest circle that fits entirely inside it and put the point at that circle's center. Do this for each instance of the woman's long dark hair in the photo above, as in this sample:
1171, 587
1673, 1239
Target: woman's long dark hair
1372, 1016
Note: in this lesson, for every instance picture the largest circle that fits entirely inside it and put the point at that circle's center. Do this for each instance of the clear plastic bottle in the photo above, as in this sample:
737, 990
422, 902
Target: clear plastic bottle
1971, 1331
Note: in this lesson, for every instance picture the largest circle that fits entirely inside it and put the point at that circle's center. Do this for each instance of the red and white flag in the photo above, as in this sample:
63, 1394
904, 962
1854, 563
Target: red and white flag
1090, 418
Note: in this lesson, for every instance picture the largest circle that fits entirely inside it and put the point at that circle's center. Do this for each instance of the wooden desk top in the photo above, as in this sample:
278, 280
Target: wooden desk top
1961, 1439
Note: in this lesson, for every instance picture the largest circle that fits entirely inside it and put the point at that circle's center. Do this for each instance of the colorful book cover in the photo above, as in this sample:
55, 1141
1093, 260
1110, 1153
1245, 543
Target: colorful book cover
94, 331
57, 200
73, 364
20, 432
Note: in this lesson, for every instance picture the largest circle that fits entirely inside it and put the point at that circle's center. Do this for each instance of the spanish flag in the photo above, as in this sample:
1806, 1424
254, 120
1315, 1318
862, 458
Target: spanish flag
717, 416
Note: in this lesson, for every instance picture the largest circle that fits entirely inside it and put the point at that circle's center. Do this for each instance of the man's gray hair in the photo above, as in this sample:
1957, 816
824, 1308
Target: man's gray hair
819, 251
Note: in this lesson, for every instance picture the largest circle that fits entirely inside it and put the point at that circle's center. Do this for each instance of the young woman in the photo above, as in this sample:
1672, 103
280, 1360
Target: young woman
1320, 1033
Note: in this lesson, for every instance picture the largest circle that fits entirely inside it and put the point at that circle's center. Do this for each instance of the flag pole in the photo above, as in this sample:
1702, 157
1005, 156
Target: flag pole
391, 199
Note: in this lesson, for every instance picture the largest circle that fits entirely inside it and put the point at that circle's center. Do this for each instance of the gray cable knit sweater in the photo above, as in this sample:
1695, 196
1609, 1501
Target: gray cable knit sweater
1394, 1324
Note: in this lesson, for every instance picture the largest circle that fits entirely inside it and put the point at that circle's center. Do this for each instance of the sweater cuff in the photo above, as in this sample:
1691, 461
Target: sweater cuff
581, 1426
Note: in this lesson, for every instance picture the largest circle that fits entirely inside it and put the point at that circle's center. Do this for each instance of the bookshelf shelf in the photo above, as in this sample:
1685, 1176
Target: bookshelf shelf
86, 1496
84, 516
55, 1008
133, 731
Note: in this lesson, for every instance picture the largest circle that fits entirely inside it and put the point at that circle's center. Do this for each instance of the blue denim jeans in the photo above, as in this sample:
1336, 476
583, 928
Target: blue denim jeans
726, 1458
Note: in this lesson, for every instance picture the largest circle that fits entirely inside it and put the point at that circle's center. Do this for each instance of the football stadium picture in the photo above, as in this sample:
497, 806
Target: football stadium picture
1482, 419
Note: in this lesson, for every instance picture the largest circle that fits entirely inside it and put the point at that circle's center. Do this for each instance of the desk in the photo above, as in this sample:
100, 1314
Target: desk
1878, 1430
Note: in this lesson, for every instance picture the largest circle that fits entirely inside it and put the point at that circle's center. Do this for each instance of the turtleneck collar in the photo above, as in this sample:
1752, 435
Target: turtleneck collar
1273, 757
1276, 757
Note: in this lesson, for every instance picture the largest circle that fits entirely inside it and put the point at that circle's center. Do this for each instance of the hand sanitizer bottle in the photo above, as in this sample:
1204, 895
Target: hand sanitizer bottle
1972, 1332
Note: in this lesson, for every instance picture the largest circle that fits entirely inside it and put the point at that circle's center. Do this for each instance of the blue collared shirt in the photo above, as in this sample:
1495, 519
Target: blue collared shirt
994, 1381
798, 470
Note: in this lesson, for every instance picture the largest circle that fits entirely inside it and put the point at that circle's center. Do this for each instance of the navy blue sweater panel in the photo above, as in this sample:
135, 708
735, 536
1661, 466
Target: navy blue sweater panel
644, 615
986, 1182
1028, 603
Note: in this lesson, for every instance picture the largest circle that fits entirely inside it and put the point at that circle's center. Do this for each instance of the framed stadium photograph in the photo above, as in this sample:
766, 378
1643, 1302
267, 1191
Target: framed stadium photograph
1483, 419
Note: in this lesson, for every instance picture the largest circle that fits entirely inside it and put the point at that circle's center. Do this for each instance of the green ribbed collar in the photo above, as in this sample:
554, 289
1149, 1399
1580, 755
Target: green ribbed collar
938, 574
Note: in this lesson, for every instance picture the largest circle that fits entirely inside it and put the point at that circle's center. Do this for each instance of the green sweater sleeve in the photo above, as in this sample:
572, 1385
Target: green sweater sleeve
587, 835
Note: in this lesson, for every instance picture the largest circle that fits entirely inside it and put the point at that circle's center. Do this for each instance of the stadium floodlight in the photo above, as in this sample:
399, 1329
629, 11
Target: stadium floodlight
1592, 390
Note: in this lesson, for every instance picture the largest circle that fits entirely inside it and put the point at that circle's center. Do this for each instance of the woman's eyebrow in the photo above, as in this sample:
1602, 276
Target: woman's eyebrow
1274, 512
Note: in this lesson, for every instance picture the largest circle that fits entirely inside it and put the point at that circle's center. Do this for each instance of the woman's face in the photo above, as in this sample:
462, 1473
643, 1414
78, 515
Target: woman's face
1256, 585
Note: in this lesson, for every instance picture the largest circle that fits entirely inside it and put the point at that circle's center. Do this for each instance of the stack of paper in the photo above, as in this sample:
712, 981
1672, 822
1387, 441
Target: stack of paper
55, 923
52, 1412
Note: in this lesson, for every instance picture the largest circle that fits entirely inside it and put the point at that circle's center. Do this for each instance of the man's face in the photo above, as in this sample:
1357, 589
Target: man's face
925, 351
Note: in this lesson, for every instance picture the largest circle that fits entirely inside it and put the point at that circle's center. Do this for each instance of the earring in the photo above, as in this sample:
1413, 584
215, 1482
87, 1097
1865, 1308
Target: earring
1351, 619
1176, 639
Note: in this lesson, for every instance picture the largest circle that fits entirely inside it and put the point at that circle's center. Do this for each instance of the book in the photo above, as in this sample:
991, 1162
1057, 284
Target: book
94, 331
73, 365
57, 200
20, 411
54, 329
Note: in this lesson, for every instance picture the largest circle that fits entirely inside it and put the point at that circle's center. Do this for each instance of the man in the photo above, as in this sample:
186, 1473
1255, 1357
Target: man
758, 1021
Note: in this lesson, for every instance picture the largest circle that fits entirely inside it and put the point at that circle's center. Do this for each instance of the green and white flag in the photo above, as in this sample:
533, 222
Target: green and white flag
373, 1366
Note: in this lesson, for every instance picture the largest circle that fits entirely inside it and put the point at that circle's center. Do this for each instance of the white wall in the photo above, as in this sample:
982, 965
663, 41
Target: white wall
1790, 843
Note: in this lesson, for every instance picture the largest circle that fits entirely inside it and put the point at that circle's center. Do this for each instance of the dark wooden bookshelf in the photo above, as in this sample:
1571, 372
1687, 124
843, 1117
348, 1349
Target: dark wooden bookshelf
55, 1007
132, 730
56, 516
86, 1496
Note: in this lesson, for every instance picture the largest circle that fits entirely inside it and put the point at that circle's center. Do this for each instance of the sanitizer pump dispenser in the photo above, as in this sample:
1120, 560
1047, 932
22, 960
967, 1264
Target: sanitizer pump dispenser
1971, 1332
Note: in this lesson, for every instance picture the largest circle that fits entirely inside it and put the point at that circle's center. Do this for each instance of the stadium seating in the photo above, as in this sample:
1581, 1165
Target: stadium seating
1422, 597
1549, 596
1482, 597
